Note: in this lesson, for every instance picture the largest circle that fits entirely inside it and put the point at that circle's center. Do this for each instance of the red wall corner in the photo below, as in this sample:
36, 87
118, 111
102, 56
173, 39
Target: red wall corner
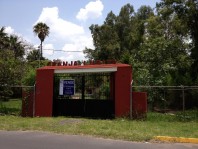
123, 78
139, 104
44, 92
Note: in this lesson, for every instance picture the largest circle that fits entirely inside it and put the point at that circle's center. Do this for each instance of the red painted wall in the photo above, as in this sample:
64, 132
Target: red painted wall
44, 92
139, 102
123, 78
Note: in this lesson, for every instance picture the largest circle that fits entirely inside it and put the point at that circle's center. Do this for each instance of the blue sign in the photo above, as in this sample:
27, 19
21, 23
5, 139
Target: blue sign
67, 87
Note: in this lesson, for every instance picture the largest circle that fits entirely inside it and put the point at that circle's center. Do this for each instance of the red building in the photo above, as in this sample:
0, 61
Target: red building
119, 80
94, 90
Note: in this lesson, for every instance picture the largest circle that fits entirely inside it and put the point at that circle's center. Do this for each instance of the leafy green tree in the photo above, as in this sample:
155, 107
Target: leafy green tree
110, 39
42, 31
17, 46
12, 66
11, 73
3, 38
119, 36
13, 43
105, 45
161, 42
33, 55
124, 26
136, 40
146, 40
187, 12
161, 46
30, 78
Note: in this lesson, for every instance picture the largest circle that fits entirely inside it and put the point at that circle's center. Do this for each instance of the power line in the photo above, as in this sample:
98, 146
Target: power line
62, 50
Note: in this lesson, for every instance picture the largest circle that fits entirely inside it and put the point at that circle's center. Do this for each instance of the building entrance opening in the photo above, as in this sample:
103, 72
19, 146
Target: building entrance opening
84, 95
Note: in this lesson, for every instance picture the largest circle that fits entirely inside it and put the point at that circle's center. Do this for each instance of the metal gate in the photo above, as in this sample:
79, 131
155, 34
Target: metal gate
93, 95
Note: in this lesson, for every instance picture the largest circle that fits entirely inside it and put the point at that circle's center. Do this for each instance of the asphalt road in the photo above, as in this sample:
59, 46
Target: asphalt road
41, 140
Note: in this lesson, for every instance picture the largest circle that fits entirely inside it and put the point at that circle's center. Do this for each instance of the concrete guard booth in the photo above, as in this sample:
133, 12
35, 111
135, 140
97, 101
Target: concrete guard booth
96, 90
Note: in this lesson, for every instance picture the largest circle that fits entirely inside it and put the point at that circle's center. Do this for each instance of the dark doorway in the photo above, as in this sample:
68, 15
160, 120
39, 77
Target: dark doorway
93, 96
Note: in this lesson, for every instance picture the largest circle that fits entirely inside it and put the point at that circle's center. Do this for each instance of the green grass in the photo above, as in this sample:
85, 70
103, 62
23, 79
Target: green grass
11, 107
122, 128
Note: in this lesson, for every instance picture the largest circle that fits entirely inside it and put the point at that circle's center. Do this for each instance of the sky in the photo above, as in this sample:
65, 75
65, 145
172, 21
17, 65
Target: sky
69, 22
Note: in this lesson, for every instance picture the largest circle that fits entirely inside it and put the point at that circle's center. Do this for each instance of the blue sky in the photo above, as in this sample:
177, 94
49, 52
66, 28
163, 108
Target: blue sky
69, 22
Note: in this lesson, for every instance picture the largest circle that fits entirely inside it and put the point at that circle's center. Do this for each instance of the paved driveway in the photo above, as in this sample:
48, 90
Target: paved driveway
42, 140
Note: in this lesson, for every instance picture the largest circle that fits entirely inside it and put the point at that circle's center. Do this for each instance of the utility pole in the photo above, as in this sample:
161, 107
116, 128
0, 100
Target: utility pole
39, 52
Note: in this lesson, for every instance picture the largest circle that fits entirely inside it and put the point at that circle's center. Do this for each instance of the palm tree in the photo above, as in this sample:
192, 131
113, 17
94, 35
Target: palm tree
41, 30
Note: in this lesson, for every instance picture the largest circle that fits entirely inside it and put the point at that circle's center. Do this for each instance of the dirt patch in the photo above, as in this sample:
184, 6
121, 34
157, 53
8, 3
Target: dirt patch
70, 121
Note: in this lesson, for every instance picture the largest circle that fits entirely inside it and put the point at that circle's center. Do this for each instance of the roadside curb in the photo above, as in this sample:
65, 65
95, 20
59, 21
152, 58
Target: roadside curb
176, 139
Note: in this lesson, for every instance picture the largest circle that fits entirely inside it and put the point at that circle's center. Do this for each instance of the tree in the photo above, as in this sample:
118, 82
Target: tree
124, 26
41, 30
111, 38
165, 35
11, 73
16, 46
30, 77
12, 66
12, 43
187, 12
162, 47
105, 39
33, 55
3, 38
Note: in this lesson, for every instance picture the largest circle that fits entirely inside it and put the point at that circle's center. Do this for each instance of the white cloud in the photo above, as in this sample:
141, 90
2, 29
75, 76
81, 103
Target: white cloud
77, 46
48, 49
59, 27
63, 32
9, 30
92, 10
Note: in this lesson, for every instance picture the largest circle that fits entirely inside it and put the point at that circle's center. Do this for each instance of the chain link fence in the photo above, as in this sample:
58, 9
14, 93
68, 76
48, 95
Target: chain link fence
17, 100
181, 101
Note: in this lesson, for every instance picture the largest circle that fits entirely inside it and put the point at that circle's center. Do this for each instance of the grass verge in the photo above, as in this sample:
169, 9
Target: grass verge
156, 124
11, 107
123, 129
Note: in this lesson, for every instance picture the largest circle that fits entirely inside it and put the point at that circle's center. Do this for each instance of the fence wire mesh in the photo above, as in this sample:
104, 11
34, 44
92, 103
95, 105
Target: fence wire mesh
12, 99
181, 101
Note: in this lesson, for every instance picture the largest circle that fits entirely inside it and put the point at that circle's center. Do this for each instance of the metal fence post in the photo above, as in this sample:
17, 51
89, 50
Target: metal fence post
34, 99
131, 98
183, 100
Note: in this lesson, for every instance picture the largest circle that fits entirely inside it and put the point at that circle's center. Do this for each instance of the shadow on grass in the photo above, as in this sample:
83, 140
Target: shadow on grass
9, 111
10, 107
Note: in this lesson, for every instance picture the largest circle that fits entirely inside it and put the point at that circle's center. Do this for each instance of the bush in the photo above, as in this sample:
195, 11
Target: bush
5, 93
30, 78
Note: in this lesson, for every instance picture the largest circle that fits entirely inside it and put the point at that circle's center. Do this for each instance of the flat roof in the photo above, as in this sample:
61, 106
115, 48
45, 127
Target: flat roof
85, 68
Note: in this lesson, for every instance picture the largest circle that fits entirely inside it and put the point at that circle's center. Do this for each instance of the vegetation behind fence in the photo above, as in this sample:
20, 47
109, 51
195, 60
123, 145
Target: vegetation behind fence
181, 101
178, 101
11, 104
